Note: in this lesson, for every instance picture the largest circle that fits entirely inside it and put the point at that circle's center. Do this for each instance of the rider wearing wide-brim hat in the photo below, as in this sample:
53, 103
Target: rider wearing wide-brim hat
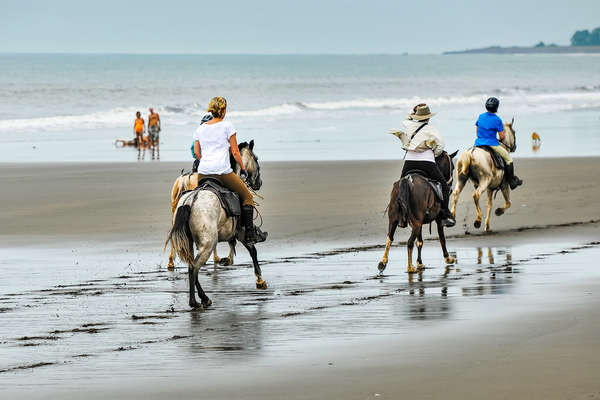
489, 124
423, 143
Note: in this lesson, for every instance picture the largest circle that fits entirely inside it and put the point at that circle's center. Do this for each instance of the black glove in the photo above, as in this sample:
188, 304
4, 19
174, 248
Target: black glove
243, 175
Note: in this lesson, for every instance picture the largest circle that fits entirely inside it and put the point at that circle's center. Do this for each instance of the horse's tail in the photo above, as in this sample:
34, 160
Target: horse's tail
463, 167
404, 198
181, 235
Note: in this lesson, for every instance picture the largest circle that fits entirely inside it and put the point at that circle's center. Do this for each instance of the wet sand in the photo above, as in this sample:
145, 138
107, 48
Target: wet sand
305, 202
89, 310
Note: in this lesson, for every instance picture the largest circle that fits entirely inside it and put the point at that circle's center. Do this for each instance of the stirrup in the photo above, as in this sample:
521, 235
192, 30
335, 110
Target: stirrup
515, 183
260, 235
448, 222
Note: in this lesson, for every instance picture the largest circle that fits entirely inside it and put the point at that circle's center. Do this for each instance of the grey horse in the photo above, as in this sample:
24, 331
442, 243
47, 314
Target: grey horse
200, 219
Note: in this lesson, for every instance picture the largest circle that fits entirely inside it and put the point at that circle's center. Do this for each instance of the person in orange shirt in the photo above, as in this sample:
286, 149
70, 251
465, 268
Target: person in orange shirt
153, 126
138, 129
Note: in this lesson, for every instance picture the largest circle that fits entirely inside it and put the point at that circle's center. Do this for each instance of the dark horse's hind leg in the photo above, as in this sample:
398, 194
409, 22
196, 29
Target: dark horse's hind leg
203, 297
419, 248
410, 244
192, 278
260, 282
393, 224
393, 220
447, 257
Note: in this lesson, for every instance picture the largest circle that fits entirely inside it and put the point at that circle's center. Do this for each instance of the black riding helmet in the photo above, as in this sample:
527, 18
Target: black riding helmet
492, 104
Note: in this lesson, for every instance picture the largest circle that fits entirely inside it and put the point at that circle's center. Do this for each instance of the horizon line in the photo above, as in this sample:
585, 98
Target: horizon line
110, 53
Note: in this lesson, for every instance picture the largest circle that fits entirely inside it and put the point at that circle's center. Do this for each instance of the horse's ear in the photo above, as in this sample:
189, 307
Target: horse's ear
454, 154
512, 121
242, 145
252, 144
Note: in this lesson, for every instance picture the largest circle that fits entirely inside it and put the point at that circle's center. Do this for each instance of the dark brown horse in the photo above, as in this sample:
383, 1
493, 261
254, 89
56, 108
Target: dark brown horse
414, 202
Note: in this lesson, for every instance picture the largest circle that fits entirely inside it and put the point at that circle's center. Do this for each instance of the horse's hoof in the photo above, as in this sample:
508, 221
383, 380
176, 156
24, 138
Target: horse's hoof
420, 266
411, 270
381, 266
488, 230
261, 284
477, 224
171, 265
499, 211
196, 306
449, 260
207, 303
224, 262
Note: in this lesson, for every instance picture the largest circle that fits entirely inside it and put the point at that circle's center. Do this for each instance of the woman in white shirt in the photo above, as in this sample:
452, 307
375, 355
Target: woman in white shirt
213, 141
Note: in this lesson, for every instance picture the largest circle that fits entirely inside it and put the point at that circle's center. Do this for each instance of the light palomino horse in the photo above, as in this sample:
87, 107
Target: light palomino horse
189, 181
477, 165
414, 202
200, 219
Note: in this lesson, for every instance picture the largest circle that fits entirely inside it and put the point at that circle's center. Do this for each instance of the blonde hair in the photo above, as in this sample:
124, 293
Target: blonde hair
217, 107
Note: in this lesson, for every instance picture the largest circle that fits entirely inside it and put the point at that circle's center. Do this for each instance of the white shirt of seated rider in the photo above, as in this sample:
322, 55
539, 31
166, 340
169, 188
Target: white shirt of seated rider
214, 147
426, 155
428, 138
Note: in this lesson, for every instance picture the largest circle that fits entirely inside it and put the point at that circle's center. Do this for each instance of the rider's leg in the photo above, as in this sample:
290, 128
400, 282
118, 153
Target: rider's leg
509, 168
435, 173
233, 182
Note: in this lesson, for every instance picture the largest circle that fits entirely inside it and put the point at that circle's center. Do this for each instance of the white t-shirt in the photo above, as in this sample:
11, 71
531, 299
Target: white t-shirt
426, 155
214, 147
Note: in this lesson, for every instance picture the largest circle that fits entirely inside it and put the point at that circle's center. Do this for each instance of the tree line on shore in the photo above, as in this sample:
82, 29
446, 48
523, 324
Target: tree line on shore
586, 38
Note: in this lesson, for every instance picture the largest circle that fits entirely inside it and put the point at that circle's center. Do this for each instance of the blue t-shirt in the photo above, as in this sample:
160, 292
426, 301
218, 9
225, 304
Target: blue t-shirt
488, 125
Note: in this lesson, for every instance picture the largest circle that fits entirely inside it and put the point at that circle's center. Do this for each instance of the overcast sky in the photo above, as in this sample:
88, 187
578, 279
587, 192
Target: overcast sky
281, 26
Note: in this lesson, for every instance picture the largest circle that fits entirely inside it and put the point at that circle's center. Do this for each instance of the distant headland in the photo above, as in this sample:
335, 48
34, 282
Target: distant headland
581, 42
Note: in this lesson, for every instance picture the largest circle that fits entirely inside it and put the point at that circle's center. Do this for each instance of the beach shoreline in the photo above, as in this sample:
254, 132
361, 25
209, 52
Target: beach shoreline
338, 202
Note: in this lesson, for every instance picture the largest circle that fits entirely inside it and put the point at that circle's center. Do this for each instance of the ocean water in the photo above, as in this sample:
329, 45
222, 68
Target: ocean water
73, 107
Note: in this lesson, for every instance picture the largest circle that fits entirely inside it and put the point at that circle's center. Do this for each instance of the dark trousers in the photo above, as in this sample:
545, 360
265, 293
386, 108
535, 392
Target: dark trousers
432, 171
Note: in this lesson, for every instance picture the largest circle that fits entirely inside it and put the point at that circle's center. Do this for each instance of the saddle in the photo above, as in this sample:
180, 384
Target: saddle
229, 200
498, 161
435, 185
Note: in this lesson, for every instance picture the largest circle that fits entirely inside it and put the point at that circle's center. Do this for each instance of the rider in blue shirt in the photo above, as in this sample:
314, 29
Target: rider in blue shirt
488, 126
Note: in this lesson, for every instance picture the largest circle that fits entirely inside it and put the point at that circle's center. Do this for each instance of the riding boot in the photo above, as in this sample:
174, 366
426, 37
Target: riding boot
512, 180
447, 219
248, 222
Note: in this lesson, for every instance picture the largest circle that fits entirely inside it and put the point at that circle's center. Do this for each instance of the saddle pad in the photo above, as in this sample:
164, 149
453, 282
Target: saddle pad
229, 200
435, 185
498, 161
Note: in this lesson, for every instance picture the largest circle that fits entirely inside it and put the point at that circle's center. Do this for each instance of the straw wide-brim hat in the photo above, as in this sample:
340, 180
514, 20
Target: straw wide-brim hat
422, 113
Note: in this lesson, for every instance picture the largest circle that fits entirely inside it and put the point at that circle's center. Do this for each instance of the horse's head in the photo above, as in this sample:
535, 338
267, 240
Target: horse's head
251, 163
445, 163
510, 136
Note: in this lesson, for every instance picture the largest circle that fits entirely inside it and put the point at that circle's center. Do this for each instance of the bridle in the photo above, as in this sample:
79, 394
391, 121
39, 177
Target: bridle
513, 147
253, 178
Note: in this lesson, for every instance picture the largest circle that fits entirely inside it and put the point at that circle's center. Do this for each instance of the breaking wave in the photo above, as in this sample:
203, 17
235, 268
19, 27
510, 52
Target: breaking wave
521, 100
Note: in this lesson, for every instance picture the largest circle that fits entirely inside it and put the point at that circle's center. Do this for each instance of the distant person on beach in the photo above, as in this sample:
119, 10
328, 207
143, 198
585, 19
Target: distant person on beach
138, 129
153, 126
423, 143
489, 126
